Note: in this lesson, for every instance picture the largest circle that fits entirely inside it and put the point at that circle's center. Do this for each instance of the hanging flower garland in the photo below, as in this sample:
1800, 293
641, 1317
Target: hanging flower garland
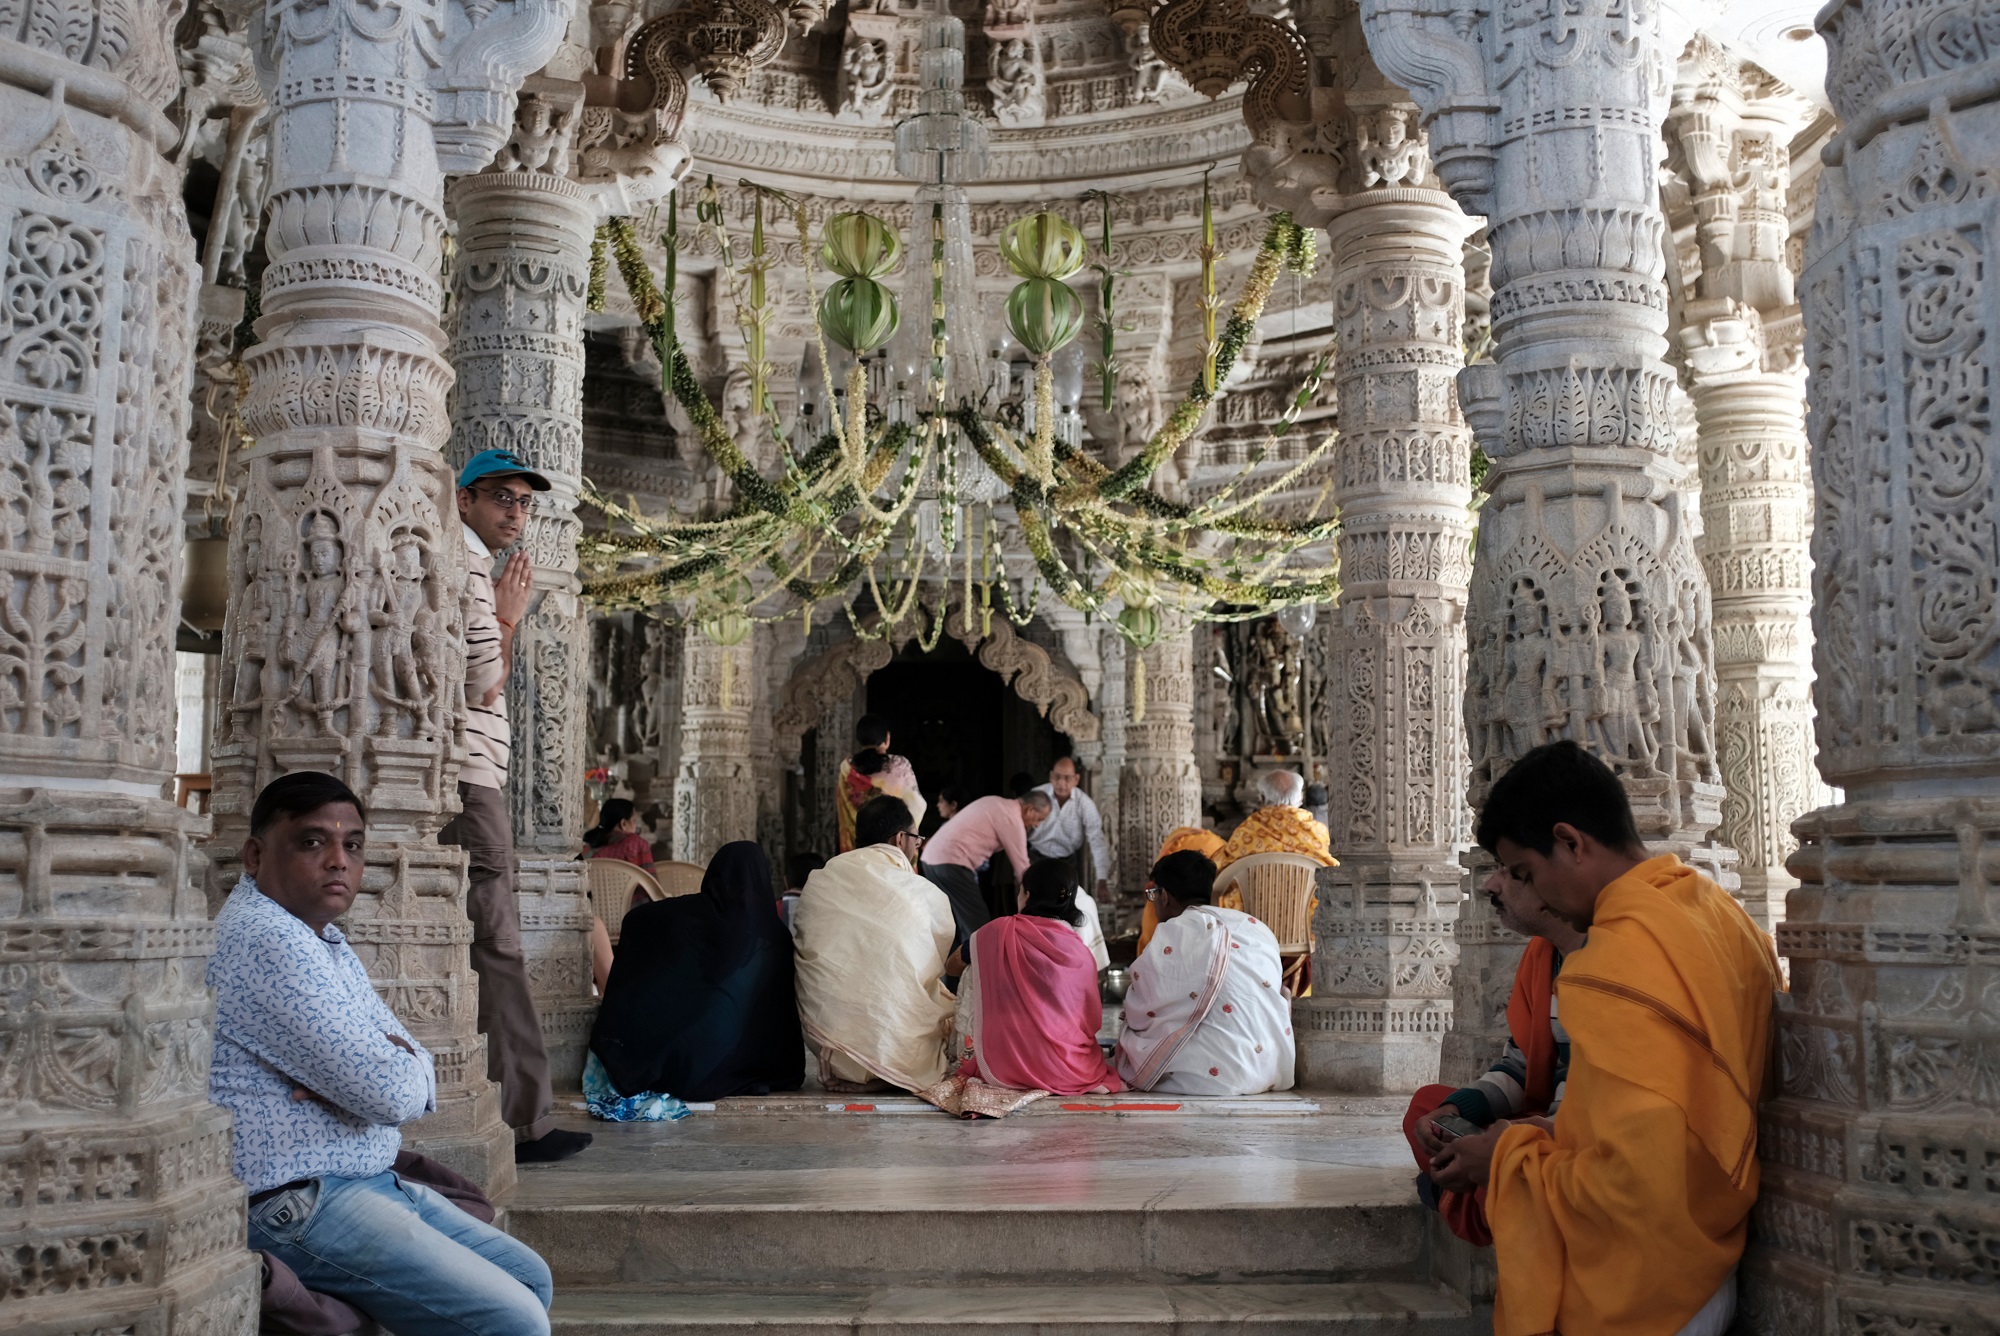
824, 525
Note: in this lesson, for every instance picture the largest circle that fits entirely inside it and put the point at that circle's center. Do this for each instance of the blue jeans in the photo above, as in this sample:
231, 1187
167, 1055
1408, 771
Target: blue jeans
405, 1256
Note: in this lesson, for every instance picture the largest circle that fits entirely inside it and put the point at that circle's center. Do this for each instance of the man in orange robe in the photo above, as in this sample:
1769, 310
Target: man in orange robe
1281, 825
1528, 1079
1627, 1212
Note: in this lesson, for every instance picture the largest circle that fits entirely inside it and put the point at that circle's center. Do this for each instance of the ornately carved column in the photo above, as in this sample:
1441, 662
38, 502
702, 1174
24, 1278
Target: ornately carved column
1159, 784
1589, 613
1740, 340
344, 648
1384, 952
715, 787
117, 1207
1880, 1202
522, 276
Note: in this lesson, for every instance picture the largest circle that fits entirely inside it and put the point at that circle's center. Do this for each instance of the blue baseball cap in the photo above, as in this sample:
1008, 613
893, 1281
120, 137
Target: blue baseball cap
500, 464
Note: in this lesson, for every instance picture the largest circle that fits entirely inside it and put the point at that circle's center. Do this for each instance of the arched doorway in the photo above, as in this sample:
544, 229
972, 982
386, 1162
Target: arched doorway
1044, 707
958, 723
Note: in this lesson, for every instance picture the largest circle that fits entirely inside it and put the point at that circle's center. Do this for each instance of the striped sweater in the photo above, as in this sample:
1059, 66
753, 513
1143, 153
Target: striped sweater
1502, 1091
488, 739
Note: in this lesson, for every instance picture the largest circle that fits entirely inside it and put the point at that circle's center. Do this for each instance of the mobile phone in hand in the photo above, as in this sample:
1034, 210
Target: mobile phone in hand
1452, 1128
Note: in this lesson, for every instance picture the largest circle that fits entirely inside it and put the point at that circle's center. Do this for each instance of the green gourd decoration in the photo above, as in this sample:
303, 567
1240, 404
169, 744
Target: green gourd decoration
858, 312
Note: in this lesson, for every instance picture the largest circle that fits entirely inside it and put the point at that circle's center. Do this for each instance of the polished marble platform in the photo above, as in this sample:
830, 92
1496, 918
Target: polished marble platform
1104, 1215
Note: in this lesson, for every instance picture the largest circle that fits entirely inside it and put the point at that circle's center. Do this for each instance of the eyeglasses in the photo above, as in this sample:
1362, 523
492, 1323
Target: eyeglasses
1154, 893
521, 501
911, 836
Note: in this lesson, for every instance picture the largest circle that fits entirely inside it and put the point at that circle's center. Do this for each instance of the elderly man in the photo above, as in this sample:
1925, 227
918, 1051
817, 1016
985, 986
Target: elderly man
496, 492
874, 944
1207, 1013
319, 1075
1628, 1211
984, 827
1281, 825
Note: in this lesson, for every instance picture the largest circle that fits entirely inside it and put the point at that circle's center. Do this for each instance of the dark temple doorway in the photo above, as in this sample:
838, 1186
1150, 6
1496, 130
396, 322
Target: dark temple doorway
959, 723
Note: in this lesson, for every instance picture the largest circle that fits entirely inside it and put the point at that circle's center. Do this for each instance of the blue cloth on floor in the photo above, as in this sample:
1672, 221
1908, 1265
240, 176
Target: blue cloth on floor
605, 1102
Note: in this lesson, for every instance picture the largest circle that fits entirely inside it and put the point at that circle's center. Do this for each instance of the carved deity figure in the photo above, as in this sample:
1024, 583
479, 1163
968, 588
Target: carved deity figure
1017, 84
866, 86
739, 414
320, 621
243, 212
543, 130
399, 605
1694, 692
1389, 156
1622, 706
1138, 414
1153, 80
1272, 684
250, 685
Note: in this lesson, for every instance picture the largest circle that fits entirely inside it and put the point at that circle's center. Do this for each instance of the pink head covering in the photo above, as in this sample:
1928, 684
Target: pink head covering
1038, 1008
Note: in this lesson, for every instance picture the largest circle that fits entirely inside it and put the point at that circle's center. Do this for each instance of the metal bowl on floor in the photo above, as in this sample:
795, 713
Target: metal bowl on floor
1115, 984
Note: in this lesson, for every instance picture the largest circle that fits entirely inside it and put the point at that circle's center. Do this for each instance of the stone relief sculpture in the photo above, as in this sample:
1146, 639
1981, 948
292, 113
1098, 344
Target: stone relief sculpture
1153, 80
866, 88
1018, 83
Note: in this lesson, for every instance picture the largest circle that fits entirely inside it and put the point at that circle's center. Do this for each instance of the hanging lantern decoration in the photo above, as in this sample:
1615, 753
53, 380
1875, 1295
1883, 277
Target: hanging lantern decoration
1139, 623
858, 312
1044, 315
1043, 311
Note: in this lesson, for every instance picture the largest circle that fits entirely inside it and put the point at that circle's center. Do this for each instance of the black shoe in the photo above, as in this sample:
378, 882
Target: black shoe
553, 1146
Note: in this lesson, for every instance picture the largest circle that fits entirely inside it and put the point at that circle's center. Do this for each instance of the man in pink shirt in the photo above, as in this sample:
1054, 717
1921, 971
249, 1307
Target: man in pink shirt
982, 828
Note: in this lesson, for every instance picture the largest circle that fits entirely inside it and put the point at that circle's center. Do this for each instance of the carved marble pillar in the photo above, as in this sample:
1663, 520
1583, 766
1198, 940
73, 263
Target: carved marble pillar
1739, 335
117, 1207
344, 646
715, 785
1880, 1200
1159, 783
1588, 613
1383, 946
522, 276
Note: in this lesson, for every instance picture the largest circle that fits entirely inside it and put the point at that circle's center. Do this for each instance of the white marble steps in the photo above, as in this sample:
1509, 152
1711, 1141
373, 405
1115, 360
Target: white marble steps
1352, 1309
836, 1200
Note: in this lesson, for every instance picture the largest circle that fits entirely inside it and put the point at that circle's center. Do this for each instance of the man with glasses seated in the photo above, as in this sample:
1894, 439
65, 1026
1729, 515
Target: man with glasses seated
496, 492
874, 944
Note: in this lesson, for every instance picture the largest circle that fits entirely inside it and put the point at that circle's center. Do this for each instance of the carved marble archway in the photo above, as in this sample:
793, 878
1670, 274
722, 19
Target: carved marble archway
819, 684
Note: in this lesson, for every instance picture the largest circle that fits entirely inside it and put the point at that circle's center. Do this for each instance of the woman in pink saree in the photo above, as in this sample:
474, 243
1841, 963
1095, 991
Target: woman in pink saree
1028, 1004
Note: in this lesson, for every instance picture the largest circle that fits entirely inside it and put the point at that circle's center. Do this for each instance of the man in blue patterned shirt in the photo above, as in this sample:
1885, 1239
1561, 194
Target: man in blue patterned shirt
320, 1074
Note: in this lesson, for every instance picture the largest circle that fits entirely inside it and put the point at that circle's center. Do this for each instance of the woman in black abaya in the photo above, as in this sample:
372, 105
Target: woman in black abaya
700, 1002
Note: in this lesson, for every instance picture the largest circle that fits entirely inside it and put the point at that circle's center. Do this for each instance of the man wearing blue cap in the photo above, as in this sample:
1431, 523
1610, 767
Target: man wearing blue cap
496, 492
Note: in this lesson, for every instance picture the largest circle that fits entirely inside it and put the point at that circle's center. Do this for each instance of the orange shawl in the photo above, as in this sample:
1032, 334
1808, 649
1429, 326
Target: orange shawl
1277, 830
1631, 1216
1204, 842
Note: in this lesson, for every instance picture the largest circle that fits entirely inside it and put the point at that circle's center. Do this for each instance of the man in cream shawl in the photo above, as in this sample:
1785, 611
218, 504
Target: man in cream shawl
874, 942
1207, 1013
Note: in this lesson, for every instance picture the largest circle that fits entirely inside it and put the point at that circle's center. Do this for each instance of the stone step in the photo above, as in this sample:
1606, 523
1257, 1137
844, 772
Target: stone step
1355, 1309
907, 1201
